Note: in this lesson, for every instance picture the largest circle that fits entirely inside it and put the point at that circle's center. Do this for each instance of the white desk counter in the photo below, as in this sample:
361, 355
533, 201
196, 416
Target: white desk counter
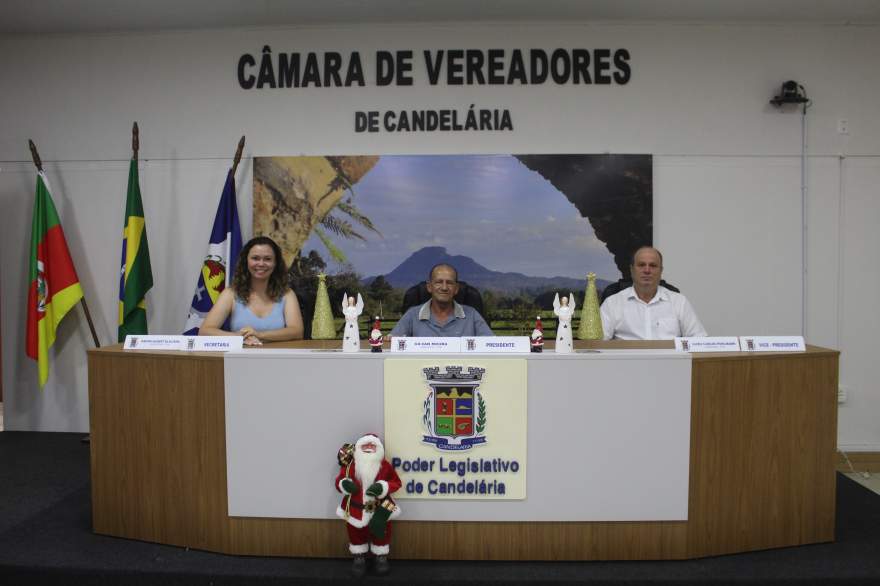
608, 434
631, 453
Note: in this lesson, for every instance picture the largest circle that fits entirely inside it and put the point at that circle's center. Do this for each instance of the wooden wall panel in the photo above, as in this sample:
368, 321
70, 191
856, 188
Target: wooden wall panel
541, 541
288, 537
858, 462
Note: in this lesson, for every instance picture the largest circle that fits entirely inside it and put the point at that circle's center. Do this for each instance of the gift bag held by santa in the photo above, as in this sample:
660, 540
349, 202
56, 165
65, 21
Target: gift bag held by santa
367, 480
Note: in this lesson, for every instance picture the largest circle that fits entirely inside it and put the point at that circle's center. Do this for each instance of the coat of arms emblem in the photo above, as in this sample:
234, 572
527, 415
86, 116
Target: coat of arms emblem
454, 410
42, 288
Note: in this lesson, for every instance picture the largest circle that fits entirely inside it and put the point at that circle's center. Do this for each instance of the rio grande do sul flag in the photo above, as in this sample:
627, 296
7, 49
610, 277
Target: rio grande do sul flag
135, 274
54, 286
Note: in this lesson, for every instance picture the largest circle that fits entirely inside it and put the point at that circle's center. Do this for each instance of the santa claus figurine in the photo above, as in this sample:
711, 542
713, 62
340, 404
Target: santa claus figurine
376, 336
538, 336
366, 480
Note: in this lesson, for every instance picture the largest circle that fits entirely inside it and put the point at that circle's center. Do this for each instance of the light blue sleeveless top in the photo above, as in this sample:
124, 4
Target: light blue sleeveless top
242, 316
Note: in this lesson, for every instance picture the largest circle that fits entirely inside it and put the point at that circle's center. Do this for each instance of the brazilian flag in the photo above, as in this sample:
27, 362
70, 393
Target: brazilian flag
135, 275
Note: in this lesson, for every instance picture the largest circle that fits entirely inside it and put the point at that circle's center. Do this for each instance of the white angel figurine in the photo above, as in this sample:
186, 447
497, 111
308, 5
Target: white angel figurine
564, 310
351, 338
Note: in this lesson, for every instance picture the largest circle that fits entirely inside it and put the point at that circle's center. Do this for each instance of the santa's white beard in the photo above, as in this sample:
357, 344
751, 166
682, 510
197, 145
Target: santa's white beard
366, 466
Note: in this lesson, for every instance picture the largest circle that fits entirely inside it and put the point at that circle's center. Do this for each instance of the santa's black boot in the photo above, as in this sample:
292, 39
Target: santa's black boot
359, 565
381, 565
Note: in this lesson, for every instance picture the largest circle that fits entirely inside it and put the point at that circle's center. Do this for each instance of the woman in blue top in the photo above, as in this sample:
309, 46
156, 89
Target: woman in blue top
259, 304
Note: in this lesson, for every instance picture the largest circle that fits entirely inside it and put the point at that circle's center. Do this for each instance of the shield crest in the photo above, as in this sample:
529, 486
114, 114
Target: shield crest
454, 411
214, 276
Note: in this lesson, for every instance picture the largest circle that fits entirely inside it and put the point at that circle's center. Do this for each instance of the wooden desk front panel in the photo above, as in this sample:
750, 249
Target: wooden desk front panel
763, 446
158, 447
759, 472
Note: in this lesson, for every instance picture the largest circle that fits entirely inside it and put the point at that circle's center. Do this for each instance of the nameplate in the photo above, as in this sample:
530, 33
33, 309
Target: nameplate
708, 344
496, 344
413, 345
772, 344
154, 342
213, 343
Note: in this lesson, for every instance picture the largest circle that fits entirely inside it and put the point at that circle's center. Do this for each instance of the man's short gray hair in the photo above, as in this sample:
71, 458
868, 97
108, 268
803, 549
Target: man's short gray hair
442, 264
632, 259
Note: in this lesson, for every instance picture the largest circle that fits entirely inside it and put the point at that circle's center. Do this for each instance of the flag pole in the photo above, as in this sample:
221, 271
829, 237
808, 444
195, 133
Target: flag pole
230, 262
237, 158
135, 141
39, 164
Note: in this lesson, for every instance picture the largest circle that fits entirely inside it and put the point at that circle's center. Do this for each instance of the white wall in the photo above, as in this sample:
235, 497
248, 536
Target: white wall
727, 168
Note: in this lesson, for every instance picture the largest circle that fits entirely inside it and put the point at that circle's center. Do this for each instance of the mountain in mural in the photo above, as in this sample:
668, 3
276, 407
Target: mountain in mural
416, 268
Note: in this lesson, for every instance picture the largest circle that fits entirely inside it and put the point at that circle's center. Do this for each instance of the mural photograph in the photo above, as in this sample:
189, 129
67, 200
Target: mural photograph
519, 228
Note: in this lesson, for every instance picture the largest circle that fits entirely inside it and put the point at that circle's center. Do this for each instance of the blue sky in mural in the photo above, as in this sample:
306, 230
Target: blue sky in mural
488, 207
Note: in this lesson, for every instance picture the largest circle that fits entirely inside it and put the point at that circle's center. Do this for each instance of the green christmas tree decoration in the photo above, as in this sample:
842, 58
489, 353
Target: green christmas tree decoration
591, 322
323, 327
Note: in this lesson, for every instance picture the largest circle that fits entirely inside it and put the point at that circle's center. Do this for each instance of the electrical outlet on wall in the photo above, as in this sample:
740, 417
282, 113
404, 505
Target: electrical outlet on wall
843, 126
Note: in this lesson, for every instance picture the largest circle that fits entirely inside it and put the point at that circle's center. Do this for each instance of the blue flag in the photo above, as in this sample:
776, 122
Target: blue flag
223, 249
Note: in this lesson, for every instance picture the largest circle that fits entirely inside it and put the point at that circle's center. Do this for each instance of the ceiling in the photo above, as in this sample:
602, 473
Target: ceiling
28, 17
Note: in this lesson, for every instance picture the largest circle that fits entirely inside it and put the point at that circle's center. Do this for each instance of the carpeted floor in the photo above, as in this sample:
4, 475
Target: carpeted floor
46, 538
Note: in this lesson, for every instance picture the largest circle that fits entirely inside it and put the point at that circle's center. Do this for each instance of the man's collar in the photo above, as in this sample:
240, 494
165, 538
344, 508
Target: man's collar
425, 310
662, 294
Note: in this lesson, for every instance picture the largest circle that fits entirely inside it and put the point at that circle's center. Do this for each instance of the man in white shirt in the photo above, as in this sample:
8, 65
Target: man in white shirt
647, 310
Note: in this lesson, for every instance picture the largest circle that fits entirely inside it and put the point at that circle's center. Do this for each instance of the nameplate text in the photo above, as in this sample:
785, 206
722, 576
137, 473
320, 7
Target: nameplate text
154, 342
496, 344
213, 343
772, 344
708, 344
415, 345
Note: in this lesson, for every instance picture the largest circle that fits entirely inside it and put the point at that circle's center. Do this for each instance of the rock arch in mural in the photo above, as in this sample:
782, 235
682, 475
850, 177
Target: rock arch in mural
614, 192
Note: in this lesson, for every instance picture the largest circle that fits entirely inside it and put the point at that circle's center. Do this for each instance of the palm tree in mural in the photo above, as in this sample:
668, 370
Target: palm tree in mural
340, 226
297, 196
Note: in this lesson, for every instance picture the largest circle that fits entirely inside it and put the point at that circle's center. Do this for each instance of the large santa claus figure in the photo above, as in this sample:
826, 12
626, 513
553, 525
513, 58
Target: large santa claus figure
366, 480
